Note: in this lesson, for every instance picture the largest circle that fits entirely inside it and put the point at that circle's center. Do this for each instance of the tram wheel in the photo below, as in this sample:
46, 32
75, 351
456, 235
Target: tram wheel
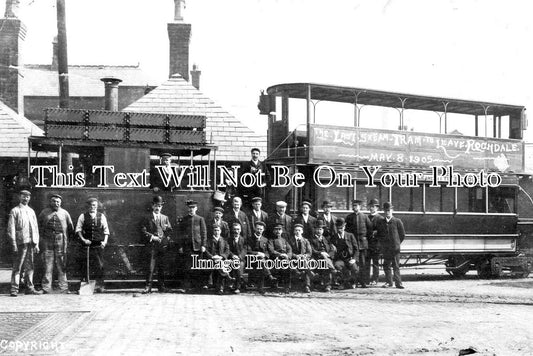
484, 270
457, 266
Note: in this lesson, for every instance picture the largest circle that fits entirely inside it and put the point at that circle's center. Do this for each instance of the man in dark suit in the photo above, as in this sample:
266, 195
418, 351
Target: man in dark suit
347, 254
391, 234
167, 170
257, 214
217, 249
257, 246
237, 215
155, 231
306, 220
280, 218
329, 219
193, 240
281, 249
358, 224
373, 242
237, 252
216, 219
322, 249
301, 250
255, 167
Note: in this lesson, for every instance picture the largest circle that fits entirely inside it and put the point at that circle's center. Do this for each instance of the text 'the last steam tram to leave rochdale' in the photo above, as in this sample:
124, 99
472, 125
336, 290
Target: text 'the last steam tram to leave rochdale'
335, 131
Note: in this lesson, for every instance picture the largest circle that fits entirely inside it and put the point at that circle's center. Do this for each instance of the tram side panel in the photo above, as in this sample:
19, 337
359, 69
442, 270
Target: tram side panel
125, 256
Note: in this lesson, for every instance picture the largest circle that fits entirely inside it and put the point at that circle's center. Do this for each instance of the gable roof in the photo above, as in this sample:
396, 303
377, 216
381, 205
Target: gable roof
14, 133
177, 96
84, 80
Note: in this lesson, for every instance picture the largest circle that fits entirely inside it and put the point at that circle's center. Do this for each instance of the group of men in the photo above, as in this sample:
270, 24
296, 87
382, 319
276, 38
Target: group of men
348, 249
50, 232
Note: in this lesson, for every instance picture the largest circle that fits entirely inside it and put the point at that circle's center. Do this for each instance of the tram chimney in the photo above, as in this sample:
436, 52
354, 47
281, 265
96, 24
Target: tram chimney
111, 93
195, 76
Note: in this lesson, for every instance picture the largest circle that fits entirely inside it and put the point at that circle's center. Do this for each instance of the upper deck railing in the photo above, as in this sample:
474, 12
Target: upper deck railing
492, 141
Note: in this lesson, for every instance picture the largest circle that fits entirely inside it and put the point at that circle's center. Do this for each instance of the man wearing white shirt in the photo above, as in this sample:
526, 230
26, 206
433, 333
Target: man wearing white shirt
92, 231
23, 232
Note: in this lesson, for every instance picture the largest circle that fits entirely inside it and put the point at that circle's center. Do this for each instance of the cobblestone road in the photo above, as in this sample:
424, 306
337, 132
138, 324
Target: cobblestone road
430, 317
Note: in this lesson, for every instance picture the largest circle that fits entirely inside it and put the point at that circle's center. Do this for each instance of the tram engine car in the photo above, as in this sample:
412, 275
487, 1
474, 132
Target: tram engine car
113, 156
453, 169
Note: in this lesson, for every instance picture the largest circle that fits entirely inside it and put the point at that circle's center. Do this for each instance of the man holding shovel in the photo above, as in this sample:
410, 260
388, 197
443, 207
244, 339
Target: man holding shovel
92, 231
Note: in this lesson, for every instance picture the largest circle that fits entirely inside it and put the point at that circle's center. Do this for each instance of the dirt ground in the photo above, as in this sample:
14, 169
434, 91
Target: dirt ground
434, 315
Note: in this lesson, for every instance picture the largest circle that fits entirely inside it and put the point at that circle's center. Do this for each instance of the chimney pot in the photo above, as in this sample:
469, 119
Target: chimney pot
111, 93
195, 76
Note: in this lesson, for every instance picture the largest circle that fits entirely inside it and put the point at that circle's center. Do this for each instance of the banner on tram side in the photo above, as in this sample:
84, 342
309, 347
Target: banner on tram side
360, 146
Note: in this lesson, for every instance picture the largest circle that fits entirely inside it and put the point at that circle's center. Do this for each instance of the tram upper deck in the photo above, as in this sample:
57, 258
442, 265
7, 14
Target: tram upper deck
325, 124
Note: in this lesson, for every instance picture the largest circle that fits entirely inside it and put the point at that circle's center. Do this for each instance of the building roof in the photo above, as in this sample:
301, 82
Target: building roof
14, 133
177, 96
84, 80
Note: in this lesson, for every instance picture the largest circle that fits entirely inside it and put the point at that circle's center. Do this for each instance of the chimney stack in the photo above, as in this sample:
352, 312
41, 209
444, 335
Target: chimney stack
12, 34
179, 35
195, 76
111, 93
54, 54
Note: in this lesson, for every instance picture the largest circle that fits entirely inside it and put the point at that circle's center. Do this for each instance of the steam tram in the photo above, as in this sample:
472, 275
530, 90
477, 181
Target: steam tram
76, 140
332, 132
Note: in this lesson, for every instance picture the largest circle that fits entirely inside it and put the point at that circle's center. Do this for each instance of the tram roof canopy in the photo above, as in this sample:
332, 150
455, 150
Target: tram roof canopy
392, 99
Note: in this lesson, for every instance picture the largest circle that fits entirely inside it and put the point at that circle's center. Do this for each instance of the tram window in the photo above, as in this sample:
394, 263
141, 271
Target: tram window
297, 112
365, 193
502, 200
439, 199
334, 113
471, 200
377, 117
462, 124
407, 199
421, 121
339, 197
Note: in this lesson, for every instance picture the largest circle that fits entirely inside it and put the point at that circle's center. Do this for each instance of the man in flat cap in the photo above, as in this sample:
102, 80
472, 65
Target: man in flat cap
257, 214
193, 241
237, 252
347, 254
236, 214
306, 220
322, 249
257, 245
360, 226
281, 249
93, 232
23, 233
155, 232
217, 220
156, 178
373, 242
391, 233
280, 217
329, 219
301, 250
217, 249
56, 226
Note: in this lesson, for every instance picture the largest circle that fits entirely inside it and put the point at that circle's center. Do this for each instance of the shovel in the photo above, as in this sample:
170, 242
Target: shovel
87, 288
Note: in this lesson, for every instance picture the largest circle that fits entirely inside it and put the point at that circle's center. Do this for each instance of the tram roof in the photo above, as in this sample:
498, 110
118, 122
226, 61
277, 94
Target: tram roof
391, 99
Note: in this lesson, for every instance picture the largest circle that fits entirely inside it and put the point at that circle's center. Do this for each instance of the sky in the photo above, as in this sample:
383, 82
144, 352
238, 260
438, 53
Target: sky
468, 49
